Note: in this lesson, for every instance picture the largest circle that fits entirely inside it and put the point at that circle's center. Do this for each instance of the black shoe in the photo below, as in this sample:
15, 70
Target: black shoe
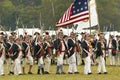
76, 72
99, 73
63, 73
42, 70
70, 73
57, 72
11, 72
105, 73
46, 72
83, 63
20, 74
89, 73
30, 73
38, 71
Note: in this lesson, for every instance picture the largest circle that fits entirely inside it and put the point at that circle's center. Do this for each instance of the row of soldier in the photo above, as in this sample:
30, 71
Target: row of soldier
61, 47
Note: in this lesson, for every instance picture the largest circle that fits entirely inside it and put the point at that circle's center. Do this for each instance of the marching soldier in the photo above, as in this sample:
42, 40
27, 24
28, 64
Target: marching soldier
72, 54
2, 56
53, 59
87, 52
27, 54
38, 52
47, 50
65, 40
16, 56
111, 57
82, 39
118, 50
94, 44
60, 49
33, 44
8, 44
78, 47
112, 49
100, 55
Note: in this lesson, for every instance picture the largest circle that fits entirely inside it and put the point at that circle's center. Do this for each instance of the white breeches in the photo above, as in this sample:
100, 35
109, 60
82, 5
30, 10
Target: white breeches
87, 67
72, 63
9, 62
30, 61
1, 66
40, 61
117, 58
17, 64
47, 62
111, 58
78, 58
60, 59
101, 64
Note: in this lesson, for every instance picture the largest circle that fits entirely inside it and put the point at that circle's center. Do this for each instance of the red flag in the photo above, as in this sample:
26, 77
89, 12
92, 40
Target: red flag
78, 11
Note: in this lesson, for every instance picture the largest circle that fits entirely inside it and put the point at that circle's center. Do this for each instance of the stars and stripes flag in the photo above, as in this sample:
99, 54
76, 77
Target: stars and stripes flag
78, 11
93, 17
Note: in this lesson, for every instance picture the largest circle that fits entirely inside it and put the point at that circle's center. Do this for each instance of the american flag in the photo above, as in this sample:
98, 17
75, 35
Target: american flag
78, 11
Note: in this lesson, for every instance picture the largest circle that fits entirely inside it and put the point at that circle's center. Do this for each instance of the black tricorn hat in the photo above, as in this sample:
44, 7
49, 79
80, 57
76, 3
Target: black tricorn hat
117, 36
2, 33
13, 33
36, 33
65, 36
82, 33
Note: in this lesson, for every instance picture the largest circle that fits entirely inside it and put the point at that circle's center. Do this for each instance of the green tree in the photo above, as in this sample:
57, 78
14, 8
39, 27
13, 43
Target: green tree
29, 11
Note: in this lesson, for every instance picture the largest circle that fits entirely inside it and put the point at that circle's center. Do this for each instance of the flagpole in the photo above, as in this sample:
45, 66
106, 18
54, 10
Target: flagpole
110, 28
89, 15
40, 20
10, 29
53, 9
23, 29
114, 29
97, 18
41, 30
17, 22
33, 31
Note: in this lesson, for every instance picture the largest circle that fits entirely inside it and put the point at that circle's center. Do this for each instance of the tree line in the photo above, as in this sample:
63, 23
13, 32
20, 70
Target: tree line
37, 13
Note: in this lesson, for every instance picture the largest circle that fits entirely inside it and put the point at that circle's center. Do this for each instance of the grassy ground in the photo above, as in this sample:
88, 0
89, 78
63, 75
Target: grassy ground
113, 74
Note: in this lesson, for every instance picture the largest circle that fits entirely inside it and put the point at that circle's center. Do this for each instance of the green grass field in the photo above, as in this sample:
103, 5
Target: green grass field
113, 74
